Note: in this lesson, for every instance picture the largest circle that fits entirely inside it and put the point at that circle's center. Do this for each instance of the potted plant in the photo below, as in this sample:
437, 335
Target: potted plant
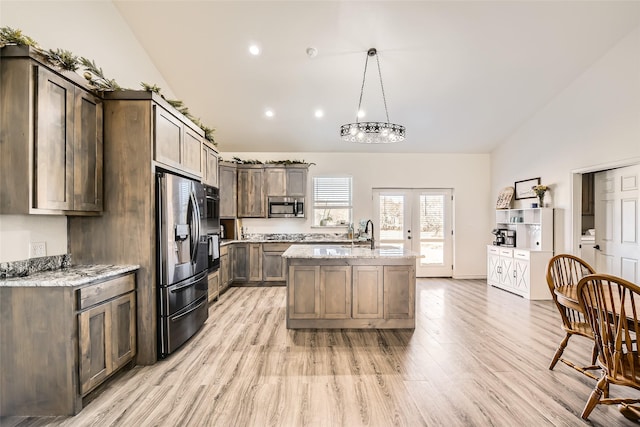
326, 218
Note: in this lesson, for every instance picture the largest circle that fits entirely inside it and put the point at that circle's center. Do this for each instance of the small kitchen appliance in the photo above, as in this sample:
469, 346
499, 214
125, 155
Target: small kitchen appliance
286, 207
500, 236
510, 238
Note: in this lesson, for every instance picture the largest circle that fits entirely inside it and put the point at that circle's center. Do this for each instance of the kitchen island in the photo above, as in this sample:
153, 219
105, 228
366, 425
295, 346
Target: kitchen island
346, 286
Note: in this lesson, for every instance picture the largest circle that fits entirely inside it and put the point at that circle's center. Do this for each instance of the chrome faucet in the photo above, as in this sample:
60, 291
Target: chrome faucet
366, 230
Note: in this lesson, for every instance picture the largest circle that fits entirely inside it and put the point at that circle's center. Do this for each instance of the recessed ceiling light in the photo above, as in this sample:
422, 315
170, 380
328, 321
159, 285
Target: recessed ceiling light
254, 50
319, 114
269, 113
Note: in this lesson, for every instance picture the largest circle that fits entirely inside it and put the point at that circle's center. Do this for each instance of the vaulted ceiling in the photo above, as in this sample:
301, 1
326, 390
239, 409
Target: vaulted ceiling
461, 76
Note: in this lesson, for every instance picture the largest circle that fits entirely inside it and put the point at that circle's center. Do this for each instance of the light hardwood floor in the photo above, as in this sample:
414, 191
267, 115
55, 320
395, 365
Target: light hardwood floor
478, 357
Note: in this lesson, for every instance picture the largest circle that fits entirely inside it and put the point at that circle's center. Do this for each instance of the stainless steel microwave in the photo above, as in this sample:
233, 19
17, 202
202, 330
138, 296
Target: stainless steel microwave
286, 207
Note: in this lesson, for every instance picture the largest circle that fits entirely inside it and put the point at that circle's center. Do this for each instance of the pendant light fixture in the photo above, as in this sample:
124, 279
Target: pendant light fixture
372, 132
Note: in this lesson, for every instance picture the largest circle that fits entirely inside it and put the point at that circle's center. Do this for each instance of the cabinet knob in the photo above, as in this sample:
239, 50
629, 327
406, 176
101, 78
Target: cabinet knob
596, 247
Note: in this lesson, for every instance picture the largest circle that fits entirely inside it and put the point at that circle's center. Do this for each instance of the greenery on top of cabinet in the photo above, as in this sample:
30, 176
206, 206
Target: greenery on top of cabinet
288, 162
10, 36
66, 60
240, 161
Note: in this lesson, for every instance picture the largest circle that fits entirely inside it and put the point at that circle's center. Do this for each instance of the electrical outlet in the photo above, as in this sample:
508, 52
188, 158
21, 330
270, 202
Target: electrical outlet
37, 249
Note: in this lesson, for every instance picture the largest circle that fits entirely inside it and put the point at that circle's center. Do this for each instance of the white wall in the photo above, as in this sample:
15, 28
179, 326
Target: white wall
467, 174
95, 30
594, 121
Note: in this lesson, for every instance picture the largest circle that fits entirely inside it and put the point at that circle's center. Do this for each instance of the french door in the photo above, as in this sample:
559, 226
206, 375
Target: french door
419, 220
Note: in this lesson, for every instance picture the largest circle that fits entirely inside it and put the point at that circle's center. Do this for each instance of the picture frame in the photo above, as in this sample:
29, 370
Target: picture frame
523, 188
504, 198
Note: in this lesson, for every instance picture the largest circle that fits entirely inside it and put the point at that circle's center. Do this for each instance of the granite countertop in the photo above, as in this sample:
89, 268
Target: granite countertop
311, 241
346, 251
77, 275
325, 238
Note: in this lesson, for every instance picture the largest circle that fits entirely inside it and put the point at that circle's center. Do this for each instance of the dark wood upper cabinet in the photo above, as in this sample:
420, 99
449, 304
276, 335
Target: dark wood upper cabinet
51, 130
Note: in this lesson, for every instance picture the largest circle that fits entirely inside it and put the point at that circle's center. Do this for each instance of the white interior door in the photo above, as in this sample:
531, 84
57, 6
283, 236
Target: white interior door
419, 220
617, 215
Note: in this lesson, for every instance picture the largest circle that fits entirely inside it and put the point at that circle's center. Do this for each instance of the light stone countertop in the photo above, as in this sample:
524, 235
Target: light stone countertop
77, 275
346, 251
309, 241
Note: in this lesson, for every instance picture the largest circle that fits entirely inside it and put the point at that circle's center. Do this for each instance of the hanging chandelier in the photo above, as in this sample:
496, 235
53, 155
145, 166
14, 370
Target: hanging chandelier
372, 132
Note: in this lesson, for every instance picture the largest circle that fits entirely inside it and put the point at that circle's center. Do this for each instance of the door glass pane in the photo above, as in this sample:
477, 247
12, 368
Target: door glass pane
391, 217
433, 253
432, 229
431, 216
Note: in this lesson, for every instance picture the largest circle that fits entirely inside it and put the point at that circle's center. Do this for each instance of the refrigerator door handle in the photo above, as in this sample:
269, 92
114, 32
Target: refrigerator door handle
186, 313
194, 281
195, 224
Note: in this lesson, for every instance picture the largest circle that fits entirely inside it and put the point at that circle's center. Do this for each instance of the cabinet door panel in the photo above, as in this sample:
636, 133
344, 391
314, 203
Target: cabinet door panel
522, 276
210, 166
168, 138
214, 285
335, 292
367, 292
94, 328
276, 181
273, 267
304, 292
87, 153
506, 272
123, 325
54, 142
255, 262
228, 192
192, 151
493, 269
239, 256
296, 182
225, 271
399, 292
251, 203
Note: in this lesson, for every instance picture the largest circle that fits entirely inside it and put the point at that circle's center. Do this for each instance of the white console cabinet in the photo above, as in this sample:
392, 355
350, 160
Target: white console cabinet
522, 269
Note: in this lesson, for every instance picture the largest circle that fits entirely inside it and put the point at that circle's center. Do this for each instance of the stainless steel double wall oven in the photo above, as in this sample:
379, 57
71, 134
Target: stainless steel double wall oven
211, 225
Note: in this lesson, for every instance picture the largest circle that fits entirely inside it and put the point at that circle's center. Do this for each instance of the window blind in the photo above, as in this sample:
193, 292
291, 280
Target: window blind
332, 191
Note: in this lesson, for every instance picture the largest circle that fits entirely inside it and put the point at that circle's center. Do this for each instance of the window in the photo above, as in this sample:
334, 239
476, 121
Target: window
332, 201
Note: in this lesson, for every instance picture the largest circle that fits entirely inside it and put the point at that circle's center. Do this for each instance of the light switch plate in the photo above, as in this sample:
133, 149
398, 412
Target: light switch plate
37, 249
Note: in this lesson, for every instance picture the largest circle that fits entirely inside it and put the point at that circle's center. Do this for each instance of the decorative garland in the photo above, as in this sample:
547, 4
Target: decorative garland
66, 60
239, 161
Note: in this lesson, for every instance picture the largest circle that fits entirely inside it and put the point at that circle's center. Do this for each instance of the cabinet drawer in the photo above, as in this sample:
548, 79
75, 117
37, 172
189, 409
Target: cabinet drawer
506, 252
493, 250
520, 254
103, 291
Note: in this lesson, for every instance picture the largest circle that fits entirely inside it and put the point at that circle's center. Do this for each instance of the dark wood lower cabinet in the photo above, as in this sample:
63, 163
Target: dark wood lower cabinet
213, 285
239, 259
106, 340
274, 267
225, 268
57, 343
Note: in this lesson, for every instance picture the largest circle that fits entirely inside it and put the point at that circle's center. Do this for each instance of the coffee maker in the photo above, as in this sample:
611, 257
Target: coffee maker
500, 236
510, 238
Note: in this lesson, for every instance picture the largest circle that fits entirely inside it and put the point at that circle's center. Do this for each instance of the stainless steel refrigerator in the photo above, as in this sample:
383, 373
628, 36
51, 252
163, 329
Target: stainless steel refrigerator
182, 261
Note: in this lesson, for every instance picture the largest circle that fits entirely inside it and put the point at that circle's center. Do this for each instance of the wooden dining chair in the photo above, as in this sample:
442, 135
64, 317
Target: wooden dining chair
564, 271
612, 307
